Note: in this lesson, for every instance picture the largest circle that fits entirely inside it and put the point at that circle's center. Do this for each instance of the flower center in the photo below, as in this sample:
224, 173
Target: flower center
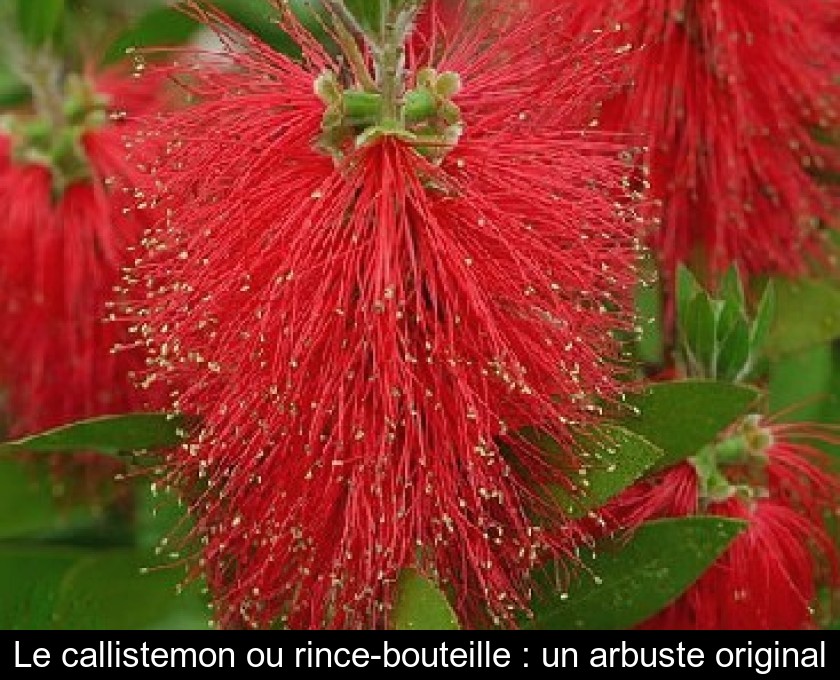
362, 106
425, 116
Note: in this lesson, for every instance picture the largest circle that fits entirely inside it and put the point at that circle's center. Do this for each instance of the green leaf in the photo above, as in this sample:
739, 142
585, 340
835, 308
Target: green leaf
162, 522
764, 316
734, 355
66, 588
111, 435
650, 346
420, 605
160, 518
26, 503
315, 19
32, 509
114, 590
801, 384
160, 27
732, 289
808, 314
39, 20
367, 12
29, 508
683, 417
624, 584
728, 314
260, 19
30, 581
687, 289
616, 457
700, 334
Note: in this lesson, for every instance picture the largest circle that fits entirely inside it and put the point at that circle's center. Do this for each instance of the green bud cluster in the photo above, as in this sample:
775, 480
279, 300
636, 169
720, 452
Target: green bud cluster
427, 116
743, 448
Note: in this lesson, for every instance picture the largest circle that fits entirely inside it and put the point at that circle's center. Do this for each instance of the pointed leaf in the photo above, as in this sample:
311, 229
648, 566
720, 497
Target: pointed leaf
734, 355
732, 289
701, 333
687, 289
764, 316
624, 584
111, 435
616, 458
728, 315
420, 605
682, 417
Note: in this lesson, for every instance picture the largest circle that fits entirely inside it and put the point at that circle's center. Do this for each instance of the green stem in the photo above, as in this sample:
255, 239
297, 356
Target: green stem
391, 59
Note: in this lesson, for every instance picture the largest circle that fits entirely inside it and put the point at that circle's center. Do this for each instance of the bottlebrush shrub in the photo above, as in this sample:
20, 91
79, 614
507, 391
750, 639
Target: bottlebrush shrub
364, 285
728, 96
772, 476
64, 237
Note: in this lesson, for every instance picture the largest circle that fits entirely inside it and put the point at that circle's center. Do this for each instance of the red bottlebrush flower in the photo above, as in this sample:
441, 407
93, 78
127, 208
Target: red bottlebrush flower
765, 581
768, 578
727, 96
362, 317
673, 493
64, 237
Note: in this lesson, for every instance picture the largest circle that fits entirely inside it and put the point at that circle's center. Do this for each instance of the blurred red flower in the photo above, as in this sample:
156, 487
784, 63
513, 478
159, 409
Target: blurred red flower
728, 96
65, 233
